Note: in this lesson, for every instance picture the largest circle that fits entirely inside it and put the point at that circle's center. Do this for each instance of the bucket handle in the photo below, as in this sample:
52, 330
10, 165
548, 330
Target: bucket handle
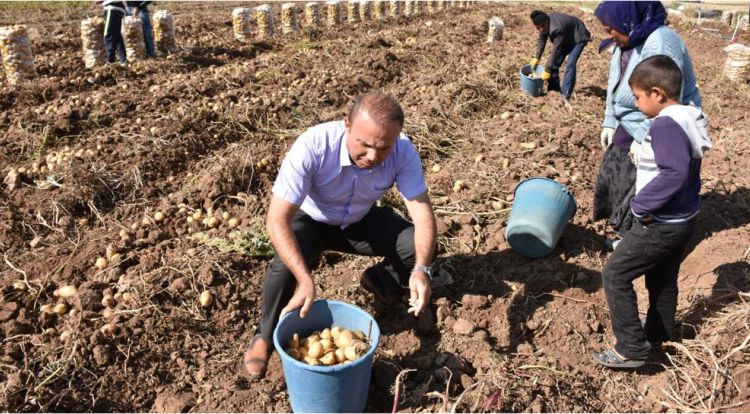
575, 205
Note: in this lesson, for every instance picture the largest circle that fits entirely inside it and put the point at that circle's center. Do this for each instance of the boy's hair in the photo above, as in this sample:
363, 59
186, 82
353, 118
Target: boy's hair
539, 17
658, 71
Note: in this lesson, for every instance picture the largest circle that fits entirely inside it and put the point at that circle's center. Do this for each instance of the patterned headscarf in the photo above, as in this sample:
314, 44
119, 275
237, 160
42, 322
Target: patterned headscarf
637, 19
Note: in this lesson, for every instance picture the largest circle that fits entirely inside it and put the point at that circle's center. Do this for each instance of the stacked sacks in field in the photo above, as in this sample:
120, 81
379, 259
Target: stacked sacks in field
495, 29
737, 65
433, 6
94, 53
379, 9
264, 19
16, 50
135, 47
312, 15
365, 10
352, 9
410, 8
744, 22
164, 31
739, 19
242, 23
333, 13
289, 18
396, 8
726, 17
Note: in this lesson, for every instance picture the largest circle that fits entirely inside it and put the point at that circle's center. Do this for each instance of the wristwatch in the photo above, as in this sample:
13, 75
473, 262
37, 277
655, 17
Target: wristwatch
424, 269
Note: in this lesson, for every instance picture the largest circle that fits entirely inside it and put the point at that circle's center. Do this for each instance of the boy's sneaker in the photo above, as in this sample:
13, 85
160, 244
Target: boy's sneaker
612, 243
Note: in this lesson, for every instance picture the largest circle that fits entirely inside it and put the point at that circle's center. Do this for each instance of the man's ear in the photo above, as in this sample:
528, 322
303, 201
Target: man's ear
347, 124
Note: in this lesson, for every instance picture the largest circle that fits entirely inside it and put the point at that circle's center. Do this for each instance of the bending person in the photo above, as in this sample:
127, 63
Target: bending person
569, 36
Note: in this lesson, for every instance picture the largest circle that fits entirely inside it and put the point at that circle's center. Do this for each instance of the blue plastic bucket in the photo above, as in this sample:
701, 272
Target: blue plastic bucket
541, 209
332, 389
532, 86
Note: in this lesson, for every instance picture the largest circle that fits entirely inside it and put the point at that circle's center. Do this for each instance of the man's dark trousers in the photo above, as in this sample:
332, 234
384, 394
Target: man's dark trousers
381, 232
113, 40
569, 79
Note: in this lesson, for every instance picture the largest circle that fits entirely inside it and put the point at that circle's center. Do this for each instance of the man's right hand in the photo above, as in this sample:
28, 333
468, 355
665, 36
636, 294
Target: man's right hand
606, 137
533, 63
304, 296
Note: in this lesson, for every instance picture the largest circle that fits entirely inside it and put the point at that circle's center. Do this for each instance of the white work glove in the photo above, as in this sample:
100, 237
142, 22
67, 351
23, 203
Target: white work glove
635, 152
608, 134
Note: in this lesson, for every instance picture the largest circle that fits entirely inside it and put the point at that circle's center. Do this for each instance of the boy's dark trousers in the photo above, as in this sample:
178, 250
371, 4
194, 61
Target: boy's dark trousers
655, 250
113, 35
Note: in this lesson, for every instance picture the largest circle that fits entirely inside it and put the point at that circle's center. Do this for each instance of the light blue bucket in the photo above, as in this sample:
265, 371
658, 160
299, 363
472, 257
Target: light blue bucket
331, 389
532, 86
541, 209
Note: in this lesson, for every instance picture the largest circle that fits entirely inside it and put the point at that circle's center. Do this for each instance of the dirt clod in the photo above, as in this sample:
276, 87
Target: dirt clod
463, 327
474, 301
525, 349
168, 402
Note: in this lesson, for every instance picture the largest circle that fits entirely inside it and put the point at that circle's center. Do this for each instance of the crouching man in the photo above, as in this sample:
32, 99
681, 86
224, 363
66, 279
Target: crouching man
323, 199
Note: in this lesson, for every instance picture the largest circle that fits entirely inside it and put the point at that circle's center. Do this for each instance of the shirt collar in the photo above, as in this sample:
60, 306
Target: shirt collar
344, 159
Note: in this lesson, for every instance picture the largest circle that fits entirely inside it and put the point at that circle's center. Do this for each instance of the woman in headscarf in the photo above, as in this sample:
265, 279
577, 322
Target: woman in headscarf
636, 31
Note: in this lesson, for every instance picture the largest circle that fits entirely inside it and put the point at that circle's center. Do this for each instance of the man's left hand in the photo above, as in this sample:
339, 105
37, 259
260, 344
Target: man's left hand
546, 75
420, 291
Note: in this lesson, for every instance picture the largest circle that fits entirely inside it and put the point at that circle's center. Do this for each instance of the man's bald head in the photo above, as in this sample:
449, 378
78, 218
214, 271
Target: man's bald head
380, 107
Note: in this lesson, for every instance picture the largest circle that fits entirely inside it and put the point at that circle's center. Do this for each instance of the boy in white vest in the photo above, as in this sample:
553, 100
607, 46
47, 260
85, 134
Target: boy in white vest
665, 205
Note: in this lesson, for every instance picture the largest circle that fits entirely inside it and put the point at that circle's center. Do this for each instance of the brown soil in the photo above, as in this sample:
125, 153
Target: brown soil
189, 132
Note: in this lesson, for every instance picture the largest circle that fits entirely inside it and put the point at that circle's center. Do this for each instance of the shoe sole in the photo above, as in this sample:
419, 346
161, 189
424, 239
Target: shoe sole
629, 363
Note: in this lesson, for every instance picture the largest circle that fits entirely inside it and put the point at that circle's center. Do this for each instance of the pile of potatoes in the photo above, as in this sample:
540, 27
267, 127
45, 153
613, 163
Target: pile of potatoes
331, 346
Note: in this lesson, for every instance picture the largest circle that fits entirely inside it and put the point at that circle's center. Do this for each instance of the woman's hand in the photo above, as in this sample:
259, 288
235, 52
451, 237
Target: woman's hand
635, 153
608, 134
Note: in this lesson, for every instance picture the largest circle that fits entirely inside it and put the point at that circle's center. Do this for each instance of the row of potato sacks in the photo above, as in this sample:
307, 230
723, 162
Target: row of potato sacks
18, 59
244, 19
92, 38
733, 19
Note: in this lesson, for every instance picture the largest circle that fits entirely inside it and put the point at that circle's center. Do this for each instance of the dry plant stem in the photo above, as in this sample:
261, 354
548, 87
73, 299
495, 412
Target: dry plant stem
25, 277
460, 397
397, 388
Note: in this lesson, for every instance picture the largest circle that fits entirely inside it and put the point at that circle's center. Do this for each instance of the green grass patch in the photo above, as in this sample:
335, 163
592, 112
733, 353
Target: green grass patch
250, 243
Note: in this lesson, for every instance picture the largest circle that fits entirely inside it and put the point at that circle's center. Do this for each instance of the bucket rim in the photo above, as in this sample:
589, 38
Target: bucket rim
520, 71
286, 358
564, 188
